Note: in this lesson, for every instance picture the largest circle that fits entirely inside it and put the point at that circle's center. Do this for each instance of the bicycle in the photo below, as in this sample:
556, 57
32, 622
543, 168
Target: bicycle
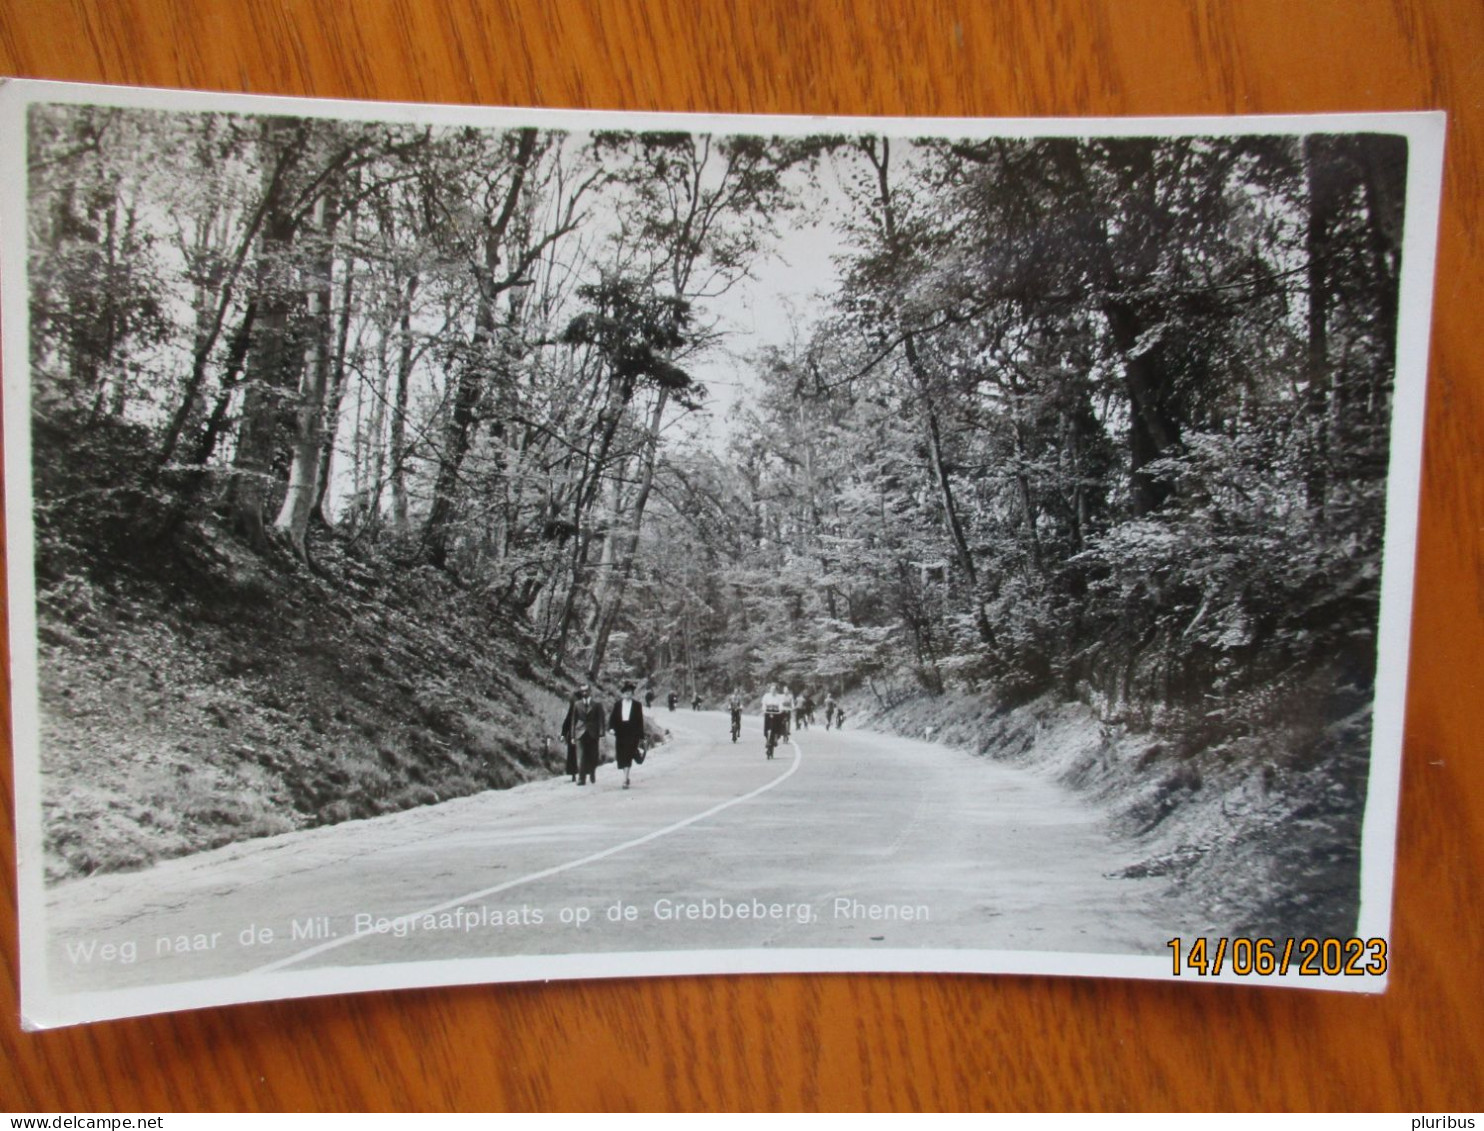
736, 725
773, 731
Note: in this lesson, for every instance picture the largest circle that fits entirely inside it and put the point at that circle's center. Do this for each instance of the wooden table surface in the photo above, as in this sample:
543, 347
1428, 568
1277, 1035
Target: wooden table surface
873, 1042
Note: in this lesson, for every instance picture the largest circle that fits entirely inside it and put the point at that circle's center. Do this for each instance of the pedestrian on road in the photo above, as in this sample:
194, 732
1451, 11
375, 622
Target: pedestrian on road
627, 723
569, 732
587, 727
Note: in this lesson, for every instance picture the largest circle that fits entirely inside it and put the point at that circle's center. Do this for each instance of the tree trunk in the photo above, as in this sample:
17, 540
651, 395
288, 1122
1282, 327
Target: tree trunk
945, 487
581, 545
309, 414
208, 335
1384, 181
368, 446
274, 358
337, 390
216, 424
1027, 505
271, 364
475, 375
1152, 432
585, 495
1319, 174
458, 437
923, 391
398, 441
628, 548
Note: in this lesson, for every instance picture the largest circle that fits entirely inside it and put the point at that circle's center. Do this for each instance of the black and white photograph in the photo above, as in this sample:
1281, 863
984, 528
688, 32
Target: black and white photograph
450, 545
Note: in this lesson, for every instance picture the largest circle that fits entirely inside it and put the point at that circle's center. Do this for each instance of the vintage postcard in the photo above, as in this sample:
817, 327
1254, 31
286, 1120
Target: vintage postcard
451, 545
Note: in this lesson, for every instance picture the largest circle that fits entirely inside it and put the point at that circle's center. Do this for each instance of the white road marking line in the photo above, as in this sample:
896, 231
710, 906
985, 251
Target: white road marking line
541, 875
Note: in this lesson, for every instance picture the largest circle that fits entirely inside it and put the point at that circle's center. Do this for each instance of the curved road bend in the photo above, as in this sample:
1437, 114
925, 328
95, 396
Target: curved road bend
847, 839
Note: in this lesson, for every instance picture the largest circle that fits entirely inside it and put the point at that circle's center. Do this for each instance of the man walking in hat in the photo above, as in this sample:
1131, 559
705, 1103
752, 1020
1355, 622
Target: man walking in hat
583, 728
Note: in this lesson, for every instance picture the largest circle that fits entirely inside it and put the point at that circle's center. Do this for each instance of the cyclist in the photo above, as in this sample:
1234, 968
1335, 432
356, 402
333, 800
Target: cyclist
734, 705
830, 707
775, 717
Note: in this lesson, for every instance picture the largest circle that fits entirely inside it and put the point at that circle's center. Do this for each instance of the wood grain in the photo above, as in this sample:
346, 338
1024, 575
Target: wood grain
869, 1042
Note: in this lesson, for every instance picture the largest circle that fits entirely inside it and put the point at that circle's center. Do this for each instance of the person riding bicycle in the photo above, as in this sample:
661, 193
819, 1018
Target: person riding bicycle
830, 707
734, 705
775, 717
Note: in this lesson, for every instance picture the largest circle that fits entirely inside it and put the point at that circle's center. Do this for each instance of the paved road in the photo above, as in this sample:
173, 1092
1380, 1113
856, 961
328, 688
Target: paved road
847, 839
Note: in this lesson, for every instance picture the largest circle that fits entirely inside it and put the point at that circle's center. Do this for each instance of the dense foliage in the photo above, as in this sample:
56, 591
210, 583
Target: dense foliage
1104, 417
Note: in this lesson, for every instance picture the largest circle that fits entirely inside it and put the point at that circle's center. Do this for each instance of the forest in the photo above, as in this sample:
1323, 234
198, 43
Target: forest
1099, 420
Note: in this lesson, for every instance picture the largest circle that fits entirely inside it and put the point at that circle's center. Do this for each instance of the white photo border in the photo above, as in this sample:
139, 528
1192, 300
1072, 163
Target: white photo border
41, 1008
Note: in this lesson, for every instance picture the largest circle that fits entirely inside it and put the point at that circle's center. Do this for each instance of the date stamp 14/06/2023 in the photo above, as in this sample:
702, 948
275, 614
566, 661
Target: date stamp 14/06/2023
1311, 957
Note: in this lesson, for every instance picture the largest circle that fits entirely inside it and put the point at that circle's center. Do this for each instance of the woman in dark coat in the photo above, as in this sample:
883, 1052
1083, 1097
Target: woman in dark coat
627, 723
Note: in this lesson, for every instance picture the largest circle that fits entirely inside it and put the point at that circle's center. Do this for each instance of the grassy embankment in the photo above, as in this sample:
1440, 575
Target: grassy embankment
1257, 826
195, 692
